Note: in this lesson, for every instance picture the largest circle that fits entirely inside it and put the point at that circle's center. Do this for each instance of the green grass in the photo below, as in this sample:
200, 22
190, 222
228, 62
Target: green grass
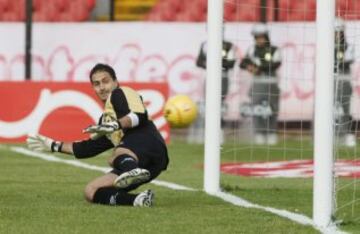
294, 195
37, 196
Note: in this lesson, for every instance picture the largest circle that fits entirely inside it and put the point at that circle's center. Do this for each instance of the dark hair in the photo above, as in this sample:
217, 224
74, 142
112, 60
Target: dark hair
103, 67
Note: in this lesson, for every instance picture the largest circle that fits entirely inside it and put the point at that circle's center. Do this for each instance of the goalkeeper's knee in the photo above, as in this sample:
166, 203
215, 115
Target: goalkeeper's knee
119, 152
123, 163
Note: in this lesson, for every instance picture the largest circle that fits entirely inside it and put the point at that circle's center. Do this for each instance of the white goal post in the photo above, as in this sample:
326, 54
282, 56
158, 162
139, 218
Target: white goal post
323, 189
213, 97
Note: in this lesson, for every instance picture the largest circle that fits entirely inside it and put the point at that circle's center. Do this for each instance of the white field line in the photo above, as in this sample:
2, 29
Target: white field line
298, 218
76, 163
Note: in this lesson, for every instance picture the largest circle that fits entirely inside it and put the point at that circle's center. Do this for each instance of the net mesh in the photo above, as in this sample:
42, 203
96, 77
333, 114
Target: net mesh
267, 119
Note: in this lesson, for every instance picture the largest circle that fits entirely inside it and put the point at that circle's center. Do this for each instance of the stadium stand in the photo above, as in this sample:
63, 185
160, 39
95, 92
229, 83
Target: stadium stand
173, 10
47, 11
248, 10
297, 10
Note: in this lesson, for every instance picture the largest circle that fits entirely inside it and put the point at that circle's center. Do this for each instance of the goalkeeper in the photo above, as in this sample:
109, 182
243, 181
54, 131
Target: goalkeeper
139, 151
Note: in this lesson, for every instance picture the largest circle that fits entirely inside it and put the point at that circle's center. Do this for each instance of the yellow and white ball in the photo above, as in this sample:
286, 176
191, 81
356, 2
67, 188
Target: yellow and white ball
180, 111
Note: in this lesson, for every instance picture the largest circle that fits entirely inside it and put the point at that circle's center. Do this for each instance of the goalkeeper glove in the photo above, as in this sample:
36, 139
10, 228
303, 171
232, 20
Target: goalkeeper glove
43, 144
104, 128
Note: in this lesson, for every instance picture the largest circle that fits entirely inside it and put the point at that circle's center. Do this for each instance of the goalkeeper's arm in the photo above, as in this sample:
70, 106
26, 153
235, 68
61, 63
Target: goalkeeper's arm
80, 149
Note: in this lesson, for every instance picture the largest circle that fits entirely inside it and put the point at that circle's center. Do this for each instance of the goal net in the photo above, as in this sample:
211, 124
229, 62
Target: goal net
267, 118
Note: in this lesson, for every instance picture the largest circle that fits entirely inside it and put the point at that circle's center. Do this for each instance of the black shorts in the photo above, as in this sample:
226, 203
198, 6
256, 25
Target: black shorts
150, 148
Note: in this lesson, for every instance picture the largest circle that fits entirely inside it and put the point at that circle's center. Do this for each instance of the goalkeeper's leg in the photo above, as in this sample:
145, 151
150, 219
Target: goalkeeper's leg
125, 164
101, 191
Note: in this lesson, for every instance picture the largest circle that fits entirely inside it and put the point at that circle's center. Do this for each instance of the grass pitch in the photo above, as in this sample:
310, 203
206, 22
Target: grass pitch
38, 196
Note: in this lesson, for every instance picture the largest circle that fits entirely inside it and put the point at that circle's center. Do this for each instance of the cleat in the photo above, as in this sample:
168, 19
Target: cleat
135, 176
144, 199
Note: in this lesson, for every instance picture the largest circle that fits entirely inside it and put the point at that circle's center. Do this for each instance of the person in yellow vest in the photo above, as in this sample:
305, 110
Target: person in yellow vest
139, 151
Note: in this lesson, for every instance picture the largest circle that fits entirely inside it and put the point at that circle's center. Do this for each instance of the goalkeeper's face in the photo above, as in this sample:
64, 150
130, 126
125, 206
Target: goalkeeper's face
103, 84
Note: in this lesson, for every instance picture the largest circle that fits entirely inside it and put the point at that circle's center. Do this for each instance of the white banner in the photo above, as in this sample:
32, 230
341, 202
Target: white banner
166, 52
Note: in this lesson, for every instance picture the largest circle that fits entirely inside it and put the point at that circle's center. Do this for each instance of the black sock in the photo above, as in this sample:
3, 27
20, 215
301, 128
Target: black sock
124, 163
112, 196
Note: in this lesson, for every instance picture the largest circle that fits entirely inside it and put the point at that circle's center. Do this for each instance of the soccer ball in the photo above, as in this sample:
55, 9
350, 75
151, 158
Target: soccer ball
180, 111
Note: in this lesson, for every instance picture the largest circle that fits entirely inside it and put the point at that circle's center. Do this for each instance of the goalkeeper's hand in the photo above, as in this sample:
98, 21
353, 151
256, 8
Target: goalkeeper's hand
41, 143
103, 129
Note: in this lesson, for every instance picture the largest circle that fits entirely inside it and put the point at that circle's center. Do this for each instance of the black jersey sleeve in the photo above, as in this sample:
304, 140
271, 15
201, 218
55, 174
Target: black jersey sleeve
90, 148
121, 106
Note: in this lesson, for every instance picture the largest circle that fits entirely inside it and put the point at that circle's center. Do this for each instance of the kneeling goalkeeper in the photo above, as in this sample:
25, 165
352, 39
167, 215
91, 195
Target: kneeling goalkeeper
139, 154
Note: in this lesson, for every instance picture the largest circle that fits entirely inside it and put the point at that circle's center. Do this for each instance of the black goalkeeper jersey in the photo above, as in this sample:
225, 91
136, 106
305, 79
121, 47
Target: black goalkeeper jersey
121, 102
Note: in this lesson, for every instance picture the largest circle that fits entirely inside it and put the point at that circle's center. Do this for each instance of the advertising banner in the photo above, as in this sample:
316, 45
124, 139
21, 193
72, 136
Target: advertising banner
166, 52
61, 110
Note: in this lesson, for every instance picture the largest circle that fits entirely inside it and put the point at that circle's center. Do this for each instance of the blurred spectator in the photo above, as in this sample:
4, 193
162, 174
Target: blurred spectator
344, 57
262, 60
228, 61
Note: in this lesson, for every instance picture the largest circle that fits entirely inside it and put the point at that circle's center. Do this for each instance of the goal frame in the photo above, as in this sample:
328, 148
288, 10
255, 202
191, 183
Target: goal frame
323, 186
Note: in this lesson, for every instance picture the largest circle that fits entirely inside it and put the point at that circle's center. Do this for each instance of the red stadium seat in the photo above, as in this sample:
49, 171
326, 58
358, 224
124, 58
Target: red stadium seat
4, 5
199, 5
65, 17
343, 7
349, 10
184, 16
197, 10
45, 10
15, 4
3, 2
62, 5
270, 11
170, 10
153, 17
48, 13
18, 6
40, 16
247, 11
177, 5
166, 11
90, 4
246, 16
78, 11
181, 10
37, 4
297, 10
10, 16
229, 9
